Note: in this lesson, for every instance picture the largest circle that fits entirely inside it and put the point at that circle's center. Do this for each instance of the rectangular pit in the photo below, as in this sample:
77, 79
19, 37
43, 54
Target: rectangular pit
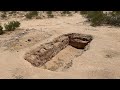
41, 55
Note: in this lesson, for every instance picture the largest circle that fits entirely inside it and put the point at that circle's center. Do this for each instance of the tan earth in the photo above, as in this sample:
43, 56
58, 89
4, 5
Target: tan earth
100, 61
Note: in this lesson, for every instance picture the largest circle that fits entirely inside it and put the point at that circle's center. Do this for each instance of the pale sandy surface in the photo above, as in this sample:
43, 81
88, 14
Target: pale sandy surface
102, 60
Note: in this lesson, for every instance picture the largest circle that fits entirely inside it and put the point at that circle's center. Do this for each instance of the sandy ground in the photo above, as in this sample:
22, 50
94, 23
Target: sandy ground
101, 61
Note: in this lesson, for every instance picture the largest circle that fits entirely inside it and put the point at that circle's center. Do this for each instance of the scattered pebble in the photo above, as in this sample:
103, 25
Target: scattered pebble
29, 40
16, 37
23, 32
27, 30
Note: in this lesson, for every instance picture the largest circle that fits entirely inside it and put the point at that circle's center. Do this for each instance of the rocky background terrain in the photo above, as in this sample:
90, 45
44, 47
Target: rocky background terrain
101, 60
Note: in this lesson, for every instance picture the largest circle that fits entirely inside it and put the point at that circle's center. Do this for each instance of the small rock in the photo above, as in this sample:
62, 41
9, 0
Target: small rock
29, 40
23, 32
27, 29
16, 37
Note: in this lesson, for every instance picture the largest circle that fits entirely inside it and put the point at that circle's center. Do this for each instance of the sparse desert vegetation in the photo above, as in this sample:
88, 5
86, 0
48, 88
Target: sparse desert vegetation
97, 18
59, 44
3, 15
50, 15
12, 25
64, 13
31, 14
35, 14
1, 30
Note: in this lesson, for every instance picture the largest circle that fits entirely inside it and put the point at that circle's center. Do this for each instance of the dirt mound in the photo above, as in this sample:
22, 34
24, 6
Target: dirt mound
44, 53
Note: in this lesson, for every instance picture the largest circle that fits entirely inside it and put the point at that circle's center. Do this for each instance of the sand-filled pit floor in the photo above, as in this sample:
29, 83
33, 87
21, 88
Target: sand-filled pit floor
64, 59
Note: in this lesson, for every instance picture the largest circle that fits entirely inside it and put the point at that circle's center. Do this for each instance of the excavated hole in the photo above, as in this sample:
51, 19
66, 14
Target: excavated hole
58, 54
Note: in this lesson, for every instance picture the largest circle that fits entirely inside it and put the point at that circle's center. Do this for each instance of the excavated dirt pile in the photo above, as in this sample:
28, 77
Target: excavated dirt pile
45, 52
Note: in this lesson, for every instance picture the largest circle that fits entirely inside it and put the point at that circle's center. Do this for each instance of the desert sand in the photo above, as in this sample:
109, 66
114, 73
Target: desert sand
100, 61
